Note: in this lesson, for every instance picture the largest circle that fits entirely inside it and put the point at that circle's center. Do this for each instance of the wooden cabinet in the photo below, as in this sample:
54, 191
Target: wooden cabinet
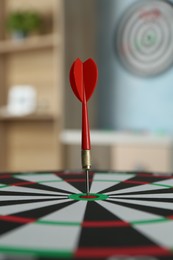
32, 142
118, 151
142, 158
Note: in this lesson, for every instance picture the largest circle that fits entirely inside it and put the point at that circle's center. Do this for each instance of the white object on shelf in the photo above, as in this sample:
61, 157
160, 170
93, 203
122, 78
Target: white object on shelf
22, 100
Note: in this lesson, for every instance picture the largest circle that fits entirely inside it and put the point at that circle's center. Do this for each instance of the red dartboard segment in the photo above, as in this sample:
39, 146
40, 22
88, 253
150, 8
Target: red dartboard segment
100, 253
17, 219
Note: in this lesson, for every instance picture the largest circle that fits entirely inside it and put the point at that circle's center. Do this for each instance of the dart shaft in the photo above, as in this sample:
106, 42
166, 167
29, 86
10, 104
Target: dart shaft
85, 126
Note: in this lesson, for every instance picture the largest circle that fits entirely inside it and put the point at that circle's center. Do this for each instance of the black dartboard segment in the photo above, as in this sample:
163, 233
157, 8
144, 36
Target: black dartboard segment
129, 216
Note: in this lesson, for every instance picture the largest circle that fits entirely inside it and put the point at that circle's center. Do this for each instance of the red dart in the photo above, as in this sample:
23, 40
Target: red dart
83, 79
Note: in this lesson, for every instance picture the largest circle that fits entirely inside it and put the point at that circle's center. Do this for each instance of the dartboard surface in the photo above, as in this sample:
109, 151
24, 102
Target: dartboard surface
144, 37
127, 216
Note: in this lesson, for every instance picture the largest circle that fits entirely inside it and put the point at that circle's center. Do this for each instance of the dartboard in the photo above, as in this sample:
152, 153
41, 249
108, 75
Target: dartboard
145, 36
126, 216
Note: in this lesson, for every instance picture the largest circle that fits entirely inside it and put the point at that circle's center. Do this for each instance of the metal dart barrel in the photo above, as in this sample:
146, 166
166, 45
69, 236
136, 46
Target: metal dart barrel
86, 164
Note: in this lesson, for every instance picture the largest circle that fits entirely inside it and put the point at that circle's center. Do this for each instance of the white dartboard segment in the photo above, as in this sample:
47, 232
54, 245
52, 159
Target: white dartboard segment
104, 181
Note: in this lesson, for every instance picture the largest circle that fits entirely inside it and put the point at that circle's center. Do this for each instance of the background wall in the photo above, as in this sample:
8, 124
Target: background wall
80, 41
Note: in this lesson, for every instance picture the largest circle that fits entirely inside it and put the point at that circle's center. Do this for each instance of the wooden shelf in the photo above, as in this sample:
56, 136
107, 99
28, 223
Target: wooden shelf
32, 141
32, 117
28, 44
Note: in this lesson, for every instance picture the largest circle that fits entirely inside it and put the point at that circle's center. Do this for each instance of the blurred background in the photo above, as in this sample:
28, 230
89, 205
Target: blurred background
131, 110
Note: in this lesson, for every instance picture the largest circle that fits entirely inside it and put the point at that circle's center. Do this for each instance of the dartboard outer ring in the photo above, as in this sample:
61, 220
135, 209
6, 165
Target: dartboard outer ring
144, 37
129, 216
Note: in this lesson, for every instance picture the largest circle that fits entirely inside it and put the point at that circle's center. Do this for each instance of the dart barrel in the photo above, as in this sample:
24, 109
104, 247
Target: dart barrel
86, 159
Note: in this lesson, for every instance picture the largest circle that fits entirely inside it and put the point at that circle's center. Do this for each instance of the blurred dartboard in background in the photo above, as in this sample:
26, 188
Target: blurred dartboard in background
145, 37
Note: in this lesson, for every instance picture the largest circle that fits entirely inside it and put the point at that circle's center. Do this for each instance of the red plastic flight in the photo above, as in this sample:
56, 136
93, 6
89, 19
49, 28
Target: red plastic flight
83, 79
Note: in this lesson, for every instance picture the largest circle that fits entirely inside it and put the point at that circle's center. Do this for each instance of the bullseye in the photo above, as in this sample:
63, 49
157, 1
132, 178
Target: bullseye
88, 197
144, 37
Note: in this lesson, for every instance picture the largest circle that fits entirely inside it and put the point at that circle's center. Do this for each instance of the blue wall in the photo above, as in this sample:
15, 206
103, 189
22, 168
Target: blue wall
125, 100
